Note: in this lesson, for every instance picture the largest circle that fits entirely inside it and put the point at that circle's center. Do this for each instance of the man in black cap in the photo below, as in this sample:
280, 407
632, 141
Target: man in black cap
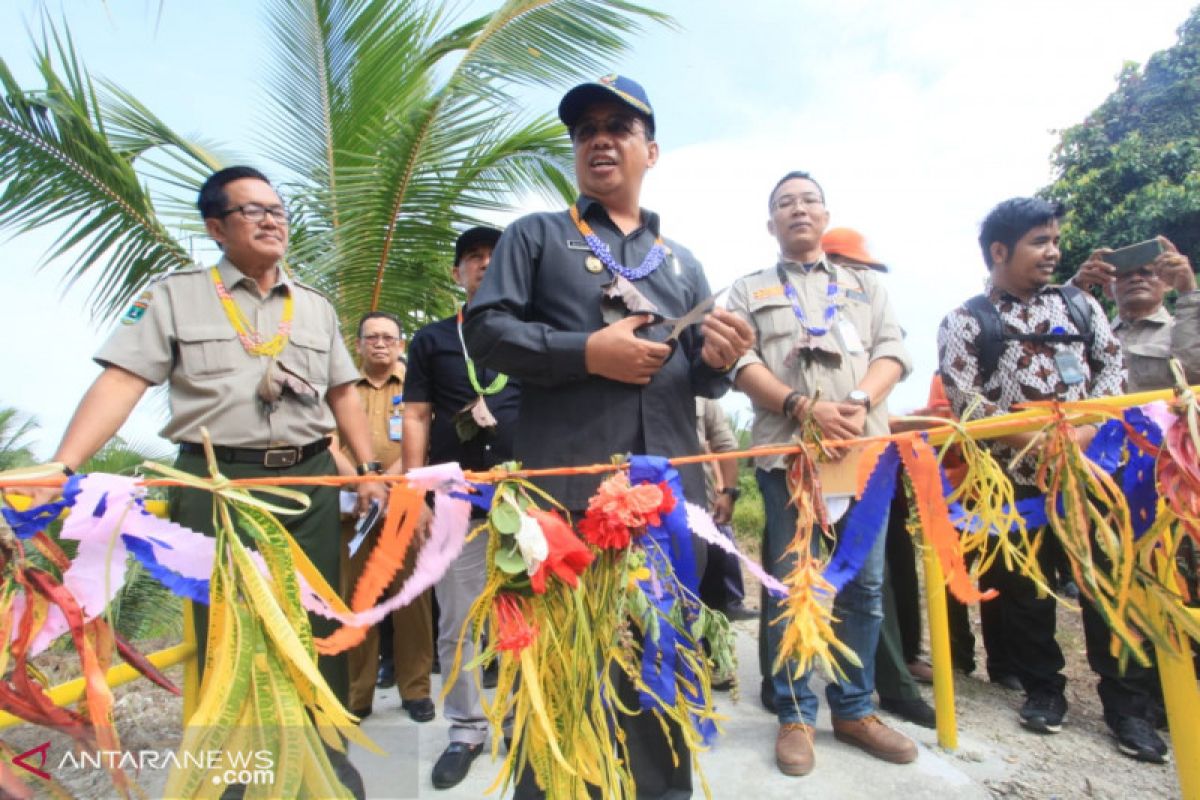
597, 377
457, 410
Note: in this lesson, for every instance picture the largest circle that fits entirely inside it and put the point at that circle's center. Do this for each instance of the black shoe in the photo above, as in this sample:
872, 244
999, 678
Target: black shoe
915, 710
736, 612
436, 669
421, 709
1044, 713
361, 713
1011, 682
386, 678
453, 764
766, 695
491, 675
722, 683
1137, 738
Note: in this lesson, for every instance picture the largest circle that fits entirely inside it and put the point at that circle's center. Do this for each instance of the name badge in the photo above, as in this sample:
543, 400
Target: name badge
396, 428
848, 335
575, 244
1069, 367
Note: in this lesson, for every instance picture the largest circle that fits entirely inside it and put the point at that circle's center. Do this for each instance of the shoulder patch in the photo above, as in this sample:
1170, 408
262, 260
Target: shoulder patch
767, 291
136, 311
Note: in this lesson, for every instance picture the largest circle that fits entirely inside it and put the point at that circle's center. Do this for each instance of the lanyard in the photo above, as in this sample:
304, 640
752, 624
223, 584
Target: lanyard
650, 263
830, 309
497, 383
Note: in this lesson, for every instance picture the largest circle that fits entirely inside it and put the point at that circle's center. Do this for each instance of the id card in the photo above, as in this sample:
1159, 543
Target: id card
1069, 367
396, 427
848, 334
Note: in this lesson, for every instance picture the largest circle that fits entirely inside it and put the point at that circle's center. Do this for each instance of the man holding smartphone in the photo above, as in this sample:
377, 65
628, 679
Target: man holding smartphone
1149, 334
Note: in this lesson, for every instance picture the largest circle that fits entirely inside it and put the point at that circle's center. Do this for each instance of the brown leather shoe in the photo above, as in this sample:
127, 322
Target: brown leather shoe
871, 735
794, 749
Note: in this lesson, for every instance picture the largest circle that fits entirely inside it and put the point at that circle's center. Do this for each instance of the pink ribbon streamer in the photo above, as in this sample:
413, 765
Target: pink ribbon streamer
703, 526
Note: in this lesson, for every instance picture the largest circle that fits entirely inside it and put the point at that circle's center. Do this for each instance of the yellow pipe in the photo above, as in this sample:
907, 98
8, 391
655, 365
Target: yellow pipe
1178, 677
71, 691
191, 667
939, 649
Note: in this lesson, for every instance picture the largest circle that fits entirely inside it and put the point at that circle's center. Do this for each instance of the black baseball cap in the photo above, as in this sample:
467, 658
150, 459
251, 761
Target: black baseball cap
610, 87
471, 237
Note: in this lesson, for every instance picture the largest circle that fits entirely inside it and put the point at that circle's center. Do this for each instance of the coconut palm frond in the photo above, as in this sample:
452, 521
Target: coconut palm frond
15, 428
58, 166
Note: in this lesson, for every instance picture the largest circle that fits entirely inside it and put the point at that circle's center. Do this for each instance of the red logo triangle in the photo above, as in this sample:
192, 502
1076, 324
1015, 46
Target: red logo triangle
41, 750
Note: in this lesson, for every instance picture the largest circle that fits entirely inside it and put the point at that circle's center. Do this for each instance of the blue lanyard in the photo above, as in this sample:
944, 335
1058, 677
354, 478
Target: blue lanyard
830, 309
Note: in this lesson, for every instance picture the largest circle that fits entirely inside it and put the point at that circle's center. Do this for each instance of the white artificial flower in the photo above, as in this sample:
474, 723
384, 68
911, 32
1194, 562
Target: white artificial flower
531, 541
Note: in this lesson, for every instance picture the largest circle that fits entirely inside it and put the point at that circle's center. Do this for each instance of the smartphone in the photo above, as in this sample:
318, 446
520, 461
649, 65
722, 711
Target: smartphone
365, 523
1128, 259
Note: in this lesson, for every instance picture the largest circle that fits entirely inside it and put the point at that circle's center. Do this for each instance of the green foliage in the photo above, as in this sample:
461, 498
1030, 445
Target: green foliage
749, 519
15, 427
1131, 170
398, 125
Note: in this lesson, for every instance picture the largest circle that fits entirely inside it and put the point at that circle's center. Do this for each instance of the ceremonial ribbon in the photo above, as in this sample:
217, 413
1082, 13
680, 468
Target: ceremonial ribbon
251, 340
830, 308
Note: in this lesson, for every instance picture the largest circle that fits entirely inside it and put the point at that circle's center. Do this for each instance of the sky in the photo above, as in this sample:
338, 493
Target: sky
916, 118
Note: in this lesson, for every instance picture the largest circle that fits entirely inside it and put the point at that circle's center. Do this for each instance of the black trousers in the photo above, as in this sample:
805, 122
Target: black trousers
721, 582
902, 573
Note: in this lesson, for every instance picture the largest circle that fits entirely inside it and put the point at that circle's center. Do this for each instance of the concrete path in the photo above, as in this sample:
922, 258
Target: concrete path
740, 765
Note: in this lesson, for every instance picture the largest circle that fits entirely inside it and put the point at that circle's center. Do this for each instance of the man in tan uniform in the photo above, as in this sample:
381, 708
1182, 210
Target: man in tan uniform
1149, 335
827, 344
381, 389
250, 355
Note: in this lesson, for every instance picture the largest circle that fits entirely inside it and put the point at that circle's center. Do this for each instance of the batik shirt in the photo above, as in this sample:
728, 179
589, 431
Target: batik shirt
1027, 370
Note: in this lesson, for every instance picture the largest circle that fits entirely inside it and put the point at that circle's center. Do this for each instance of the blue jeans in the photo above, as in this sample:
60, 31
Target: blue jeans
858, 608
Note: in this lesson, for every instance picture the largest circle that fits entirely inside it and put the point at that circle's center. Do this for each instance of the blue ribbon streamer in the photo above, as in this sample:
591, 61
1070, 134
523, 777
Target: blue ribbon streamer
481, 498
672, 540
31, 521
864, 522
194, 589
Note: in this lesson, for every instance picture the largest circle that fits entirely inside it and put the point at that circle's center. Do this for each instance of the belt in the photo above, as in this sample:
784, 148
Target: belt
269, 457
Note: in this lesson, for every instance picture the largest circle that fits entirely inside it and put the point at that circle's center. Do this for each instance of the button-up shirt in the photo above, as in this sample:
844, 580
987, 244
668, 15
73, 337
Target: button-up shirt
378, 401
1027, 369
1151, 342
531, 319
178, 332
830, 368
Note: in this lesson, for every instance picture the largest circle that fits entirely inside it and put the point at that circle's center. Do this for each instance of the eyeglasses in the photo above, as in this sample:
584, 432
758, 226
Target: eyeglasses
621, 127
254, 212
386, 338
790, 201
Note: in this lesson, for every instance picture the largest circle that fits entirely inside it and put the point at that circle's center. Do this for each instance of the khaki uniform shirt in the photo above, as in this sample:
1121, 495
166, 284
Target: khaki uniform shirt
377, 403
178, 332
861, 302
1151, 343
712, 428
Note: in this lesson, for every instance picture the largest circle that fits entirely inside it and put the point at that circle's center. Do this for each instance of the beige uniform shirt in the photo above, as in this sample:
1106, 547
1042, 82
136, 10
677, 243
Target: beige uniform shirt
1151, 343
861, 303
715, 435
178, 332
377, 403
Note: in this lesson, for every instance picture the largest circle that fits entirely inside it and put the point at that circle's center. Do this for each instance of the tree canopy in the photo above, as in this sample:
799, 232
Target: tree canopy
1131, 170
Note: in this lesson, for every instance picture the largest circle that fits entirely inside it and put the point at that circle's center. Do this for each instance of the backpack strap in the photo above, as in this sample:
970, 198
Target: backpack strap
990, 343
1080, 311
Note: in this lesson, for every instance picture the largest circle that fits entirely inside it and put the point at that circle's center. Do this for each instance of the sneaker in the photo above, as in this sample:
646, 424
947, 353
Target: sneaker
916, 710
794, 749
1137, 738
454, 763
871, 735
420, 709
1044, 713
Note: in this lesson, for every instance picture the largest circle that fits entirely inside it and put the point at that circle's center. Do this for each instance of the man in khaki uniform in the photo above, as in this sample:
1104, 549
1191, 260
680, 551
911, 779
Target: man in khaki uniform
1149, 335
254, 357
829, 345
380, 388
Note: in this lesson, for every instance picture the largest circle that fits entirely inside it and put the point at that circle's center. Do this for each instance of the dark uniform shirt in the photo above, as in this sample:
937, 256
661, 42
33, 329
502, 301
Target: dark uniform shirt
531, 318
437, 374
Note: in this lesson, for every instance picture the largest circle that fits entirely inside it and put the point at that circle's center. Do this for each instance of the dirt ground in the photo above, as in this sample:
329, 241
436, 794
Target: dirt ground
1081, 762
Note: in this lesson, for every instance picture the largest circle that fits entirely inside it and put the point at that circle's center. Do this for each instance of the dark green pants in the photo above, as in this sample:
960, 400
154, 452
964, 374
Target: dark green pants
892, 678
316, 530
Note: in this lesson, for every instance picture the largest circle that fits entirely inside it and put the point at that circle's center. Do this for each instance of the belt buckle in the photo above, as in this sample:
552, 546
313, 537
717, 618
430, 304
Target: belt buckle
281, 457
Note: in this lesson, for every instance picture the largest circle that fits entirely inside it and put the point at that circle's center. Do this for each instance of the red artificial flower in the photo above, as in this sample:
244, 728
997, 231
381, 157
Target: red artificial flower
512, 630
604, 531
665, 506
630, 504
568, 556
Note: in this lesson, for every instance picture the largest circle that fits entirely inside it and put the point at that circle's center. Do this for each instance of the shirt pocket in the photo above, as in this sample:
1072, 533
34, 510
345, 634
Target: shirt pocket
1148, 363
775, 319
307, 355
208, 350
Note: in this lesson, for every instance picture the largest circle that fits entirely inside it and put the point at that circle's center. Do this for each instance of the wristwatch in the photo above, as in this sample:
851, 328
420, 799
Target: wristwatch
733, 492
370, 466
860, 398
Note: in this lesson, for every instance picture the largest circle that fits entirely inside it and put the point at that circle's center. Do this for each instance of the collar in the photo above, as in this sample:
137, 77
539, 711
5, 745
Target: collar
1160, 317
590, 207
231, 276
996, 294
796, 268
397, 375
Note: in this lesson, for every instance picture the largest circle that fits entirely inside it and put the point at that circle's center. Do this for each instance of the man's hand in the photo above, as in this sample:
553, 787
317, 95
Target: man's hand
614, 352
838, 421
722, 509
1174, 269
1096, 272
727, 337
368, 491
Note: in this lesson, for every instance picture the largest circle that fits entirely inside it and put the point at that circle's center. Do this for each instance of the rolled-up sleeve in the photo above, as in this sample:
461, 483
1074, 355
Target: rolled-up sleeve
887, 337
